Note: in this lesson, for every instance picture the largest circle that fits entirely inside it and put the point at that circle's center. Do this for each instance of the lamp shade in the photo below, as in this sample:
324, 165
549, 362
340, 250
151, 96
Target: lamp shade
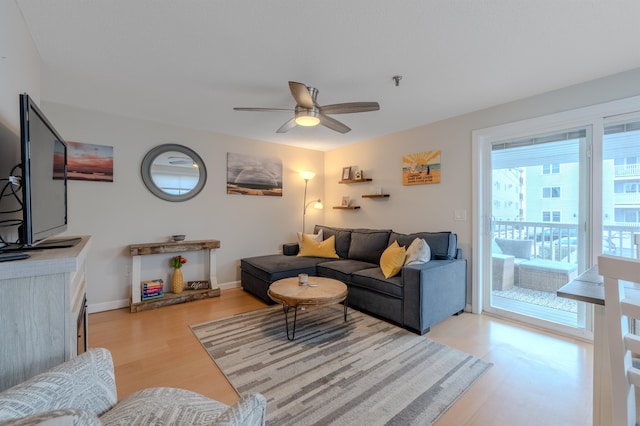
307, 175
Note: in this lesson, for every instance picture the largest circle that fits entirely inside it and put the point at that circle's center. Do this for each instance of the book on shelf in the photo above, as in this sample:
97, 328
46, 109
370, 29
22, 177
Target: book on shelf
152, 284
152, 293
159, 296
152, 288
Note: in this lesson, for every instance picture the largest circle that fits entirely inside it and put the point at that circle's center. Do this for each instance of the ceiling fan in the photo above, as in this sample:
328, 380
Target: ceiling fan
309, 113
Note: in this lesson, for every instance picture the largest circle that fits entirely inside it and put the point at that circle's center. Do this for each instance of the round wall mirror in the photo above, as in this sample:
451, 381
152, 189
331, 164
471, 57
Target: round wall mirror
173, 172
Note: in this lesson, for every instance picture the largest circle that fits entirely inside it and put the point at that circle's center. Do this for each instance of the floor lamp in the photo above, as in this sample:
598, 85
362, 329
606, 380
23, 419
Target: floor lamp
317, 204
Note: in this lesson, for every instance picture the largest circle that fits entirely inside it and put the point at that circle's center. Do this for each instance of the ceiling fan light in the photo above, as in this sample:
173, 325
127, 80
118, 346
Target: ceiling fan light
307, 121
307, 117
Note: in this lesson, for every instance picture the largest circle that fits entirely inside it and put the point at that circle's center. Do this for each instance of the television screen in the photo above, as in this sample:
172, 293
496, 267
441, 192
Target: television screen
44, 176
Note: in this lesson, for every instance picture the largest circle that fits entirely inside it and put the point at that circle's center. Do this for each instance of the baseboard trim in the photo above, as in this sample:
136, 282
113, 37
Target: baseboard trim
93, 308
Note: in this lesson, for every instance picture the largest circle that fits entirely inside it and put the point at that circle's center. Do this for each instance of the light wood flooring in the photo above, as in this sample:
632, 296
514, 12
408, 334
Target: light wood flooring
537, 378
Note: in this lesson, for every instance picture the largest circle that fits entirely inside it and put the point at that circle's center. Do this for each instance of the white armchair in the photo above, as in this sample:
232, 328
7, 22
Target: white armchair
82, 391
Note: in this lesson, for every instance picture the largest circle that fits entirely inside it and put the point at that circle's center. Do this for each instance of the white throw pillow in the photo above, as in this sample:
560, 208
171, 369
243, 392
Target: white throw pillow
316, 237
418, 252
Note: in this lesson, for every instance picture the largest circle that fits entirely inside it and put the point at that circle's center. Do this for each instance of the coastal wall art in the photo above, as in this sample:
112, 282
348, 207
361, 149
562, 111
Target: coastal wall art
421, 168
254, 175
87, 161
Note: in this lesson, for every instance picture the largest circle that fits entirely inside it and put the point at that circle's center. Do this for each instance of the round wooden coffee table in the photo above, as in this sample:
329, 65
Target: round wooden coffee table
319, 291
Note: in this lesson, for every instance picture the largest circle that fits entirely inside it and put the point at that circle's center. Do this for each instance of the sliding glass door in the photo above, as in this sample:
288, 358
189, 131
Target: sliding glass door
621, 186
538, 188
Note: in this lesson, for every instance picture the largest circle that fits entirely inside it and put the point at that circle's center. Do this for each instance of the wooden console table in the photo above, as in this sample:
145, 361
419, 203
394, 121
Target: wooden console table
139, 250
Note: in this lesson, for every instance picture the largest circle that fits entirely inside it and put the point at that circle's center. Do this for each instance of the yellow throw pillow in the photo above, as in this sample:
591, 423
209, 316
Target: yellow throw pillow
392, 260
326, 248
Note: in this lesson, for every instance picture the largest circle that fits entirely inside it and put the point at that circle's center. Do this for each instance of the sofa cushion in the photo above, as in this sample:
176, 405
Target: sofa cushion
368, 244
342, 269
516, 248
343, 238
392, 260
418, 252
374, 280
274, 267
443, 244
310, 247
316, 237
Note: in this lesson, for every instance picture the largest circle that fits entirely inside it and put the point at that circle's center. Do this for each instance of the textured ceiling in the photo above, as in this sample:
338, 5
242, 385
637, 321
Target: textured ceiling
189, 62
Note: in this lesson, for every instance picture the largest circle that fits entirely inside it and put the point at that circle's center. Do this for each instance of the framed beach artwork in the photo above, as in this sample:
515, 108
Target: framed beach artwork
254, 175
421, 168
91, 162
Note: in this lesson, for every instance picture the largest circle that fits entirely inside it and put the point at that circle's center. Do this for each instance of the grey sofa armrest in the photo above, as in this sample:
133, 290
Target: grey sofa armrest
86, 383
433, 291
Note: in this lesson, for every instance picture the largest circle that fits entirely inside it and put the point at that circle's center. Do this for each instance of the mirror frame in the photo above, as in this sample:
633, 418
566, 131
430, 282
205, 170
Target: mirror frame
148, 160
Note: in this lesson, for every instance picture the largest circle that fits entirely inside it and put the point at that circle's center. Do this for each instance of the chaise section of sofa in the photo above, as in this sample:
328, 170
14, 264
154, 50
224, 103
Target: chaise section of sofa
420, 296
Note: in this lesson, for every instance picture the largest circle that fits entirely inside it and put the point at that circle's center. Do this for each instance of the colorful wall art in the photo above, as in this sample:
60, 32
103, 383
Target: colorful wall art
89, 162
421, 168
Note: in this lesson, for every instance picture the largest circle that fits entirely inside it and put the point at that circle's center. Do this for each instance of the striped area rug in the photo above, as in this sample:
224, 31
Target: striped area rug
360, 372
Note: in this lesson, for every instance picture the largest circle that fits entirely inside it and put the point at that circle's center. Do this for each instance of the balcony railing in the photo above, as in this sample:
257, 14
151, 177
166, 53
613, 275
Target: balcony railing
627, 170
559, 242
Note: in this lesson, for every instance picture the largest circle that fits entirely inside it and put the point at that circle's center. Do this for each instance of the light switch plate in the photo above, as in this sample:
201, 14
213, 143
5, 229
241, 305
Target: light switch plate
460, 215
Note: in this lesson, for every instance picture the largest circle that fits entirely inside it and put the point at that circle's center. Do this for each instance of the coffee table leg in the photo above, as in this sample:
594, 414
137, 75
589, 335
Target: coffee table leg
285, 308
345, 308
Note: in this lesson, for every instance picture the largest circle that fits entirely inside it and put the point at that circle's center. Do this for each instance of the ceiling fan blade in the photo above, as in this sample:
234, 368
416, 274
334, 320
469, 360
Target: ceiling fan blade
333, 124
287, 126
301, 94
262, 109
350, 107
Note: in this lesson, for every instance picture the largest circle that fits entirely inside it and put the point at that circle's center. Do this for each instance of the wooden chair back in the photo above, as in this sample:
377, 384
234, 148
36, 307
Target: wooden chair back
621, 307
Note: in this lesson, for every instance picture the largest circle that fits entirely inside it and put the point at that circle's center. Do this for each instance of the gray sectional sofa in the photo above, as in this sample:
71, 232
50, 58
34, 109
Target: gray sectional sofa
420, 296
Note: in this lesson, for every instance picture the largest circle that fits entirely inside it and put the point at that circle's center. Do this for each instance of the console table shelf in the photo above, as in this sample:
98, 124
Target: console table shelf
346, 207
138, 250
375, 195
174, 299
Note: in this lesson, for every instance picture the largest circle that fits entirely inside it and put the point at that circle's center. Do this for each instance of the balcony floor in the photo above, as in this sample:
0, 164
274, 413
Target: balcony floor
535, 303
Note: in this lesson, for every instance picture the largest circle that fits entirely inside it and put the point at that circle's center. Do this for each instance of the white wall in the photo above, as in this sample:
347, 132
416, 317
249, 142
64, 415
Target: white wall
19, 65
125, 212
431, 207
19, 72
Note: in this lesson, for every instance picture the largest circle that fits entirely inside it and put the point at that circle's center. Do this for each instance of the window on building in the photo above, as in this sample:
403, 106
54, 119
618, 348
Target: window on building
550, 168
551, 192
551, 216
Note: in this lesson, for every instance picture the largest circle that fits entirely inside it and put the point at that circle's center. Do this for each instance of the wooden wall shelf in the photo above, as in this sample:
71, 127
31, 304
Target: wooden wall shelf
347, 207
375, 195
355, 180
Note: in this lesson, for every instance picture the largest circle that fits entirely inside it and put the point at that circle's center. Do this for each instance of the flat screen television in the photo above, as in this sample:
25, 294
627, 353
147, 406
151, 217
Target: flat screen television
44, 177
